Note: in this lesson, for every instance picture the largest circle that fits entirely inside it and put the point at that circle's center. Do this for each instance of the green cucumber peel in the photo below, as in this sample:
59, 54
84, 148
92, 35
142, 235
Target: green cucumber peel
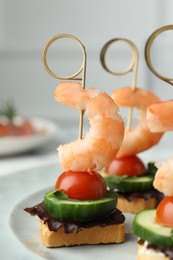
59, 206
145, 227
129, 184
126, 183
58, 194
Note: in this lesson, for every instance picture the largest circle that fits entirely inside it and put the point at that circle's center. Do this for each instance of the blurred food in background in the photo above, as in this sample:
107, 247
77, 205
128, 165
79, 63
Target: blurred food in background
13, 125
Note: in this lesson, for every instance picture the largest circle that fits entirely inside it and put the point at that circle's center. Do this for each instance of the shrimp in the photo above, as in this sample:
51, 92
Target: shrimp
163, 180
101, 144
139, 138
159, 117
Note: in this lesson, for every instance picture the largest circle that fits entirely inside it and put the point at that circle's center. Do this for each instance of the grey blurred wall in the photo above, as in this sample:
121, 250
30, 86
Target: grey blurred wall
25, 27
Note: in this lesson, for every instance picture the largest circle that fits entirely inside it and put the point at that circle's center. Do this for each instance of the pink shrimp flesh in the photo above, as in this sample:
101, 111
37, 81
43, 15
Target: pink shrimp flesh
101, 144
164, 177
139, 138
159, 116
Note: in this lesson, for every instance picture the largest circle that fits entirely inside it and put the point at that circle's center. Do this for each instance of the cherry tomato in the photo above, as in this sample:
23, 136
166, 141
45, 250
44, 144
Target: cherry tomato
82, 185
164, 212
131, 166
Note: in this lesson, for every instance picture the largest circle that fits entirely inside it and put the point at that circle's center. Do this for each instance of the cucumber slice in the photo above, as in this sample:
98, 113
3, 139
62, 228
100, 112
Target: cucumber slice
129, 184
144, 226
59, 206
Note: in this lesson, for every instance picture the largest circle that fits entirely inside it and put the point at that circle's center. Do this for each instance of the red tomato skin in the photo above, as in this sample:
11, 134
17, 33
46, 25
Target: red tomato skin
82, 185
164, 212
130, 166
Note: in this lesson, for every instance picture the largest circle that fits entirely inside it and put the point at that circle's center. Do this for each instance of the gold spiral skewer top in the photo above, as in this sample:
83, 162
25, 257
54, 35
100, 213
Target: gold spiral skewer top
148, 51
133, 67
82, 69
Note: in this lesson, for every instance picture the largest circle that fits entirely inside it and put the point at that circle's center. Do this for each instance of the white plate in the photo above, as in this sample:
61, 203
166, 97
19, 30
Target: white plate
21, 234
27, 229
20, 144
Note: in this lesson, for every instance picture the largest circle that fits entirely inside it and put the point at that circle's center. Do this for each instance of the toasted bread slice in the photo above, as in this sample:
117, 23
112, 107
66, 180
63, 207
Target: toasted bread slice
136, 205
150, 254
93, 235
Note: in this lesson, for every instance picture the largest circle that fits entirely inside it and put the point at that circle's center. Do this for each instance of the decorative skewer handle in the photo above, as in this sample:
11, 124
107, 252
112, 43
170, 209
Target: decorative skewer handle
82, 69
148, 51
132, 67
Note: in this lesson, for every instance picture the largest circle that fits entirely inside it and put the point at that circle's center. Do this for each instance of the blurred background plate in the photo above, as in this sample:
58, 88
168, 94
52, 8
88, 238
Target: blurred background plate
45, 131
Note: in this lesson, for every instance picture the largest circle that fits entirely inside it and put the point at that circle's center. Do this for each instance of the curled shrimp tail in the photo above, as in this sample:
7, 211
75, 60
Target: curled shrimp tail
139, 138
159, 116
104, 138
164, 177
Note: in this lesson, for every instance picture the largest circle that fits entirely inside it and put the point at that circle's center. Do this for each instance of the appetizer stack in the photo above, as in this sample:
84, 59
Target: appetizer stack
127, 174
103, 176
154, 227
80, 210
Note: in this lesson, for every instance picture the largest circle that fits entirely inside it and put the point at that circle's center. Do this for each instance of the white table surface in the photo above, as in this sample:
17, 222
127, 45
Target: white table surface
45, 155
48, 154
